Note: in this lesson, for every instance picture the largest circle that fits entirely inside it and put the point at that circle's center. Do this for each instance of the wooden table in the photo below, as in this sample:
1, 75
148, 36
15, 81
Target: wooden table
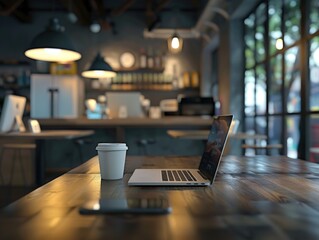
39, 139
252, 198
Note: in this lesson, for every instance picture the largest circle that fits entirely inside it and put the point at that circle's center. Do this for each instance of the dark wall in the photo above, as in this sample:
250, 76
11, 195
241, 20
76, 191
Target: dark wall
129, 27
16, 36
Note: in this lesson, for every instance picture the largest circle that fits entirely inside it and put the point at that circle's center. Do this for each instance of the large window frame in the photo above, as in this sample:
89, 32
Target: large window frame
288, 123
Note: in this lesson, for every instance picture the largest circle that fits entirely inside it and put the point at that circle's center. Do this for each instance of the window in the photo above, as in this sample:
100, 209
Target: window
276, 82
314, 16
292, 21
277, 78
292, 79
260, 32
314, 138
275, 32
314, 74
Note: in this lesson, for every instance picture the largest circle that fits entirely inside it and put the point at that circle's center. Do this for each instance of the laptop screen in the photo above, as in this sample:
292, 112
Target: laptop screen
215, 146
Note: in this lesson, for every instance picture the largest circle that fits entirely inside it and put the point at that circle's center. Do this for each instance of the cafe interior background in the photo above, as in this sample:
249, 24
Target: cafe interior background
259, 60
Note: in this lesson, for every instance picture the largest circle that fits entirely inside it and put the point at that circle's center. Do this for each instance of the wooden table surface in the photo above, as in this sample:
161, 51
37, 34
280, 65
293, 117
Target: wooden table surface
252, 198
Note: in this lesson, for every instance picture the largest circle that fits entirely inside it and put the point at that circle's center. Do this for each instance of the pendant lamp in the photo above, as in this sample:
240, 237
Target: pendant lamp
52, 45
175, 43
99, 69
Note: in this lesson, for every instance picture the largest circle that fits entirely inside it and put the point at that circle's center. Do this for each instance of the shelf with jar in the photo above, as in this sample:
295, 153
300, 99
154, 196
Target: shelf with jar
139, 70
139, 81
142, 62
14, 75
15, 79
146, 81
153, 88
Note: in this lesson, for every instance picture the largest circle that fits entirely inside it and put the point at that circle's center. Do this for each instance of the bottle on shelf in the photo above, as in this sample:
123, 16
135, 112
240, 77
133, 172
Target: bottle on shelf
163, 60
175, 82
158, 61
150, 59
143, 59
195, 79
186, 79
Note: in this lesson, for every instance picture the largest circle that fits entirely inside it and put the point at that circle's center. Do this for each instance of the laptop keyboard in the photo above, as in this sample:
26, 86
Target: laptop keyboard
177, 175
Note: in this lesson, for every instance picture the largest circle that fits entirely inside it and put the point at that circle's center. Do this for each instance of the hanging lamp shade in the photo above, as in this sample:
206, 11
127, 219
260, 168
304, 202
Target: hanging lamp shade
175, 43
99, 69
52, 45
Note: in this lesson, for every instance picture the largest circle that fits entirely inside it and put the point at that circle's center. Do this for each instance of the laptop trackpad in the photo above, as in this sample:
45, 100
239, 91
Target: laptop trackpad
146, 175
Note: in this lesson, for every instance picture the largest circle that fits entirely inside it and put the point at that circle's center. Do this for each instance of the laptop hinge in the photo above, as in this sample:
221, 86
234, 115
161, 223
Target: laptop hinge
203, 175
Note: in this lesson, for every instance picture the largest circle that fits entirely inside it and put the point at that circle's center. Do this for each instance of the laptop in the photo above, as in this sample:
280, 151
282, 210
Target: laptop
207, 170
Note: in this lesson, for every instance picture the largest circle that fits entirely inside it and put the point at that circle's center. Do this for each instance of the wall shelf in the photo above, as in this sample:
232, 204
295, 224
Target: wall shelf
128, 87
140, 70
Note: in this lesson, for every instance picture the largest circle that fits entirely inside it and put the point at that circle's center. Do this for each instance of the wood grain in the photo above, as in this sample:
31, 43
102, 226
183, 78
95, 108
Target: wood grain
252, 198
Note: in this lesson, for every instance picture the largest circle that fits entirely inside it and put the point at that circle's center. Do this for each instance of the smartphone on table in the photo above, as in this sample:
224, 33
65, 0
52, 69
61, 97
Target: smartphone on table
127, 206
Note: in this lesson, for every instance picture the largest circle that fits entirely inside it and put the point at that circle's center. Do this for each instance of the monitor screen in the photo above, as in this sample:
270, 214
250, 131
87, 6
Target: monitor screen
130, 101
13, 107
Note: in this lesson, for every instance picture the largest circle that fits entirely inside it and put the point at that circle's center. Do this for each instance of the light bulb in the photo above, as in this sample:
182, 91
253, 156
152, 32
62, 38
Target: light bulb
279, 44
95, 27
175, 43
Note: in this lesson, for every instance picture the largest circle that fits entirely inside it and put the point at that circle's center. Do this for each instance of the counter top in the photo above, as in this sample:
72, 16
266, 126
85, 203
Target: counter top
199, 122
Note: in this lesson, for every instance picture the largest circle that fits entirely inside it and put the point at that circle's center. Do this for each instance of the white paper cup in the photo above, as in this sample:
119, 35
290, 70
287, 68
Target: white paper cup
112, 160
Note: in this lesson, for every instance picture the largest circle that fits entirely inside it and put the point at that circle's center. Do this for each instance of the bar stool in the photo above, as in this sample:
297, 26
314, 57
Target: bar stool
17, 155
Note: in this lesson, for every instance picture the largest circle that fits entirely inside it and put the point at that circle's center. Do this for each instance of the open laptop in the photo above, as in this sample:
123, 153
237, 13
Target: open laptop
206, 172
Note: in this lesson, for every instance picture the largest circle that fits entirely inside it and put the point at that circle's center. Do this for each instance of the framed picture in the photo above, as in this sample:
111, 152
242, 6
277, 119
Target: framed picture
127, 60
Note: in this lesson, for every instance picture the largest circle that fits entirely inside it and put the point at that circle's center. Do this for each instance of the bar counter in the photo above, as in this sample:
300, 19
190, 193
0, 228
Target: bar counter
144, 136
164, 122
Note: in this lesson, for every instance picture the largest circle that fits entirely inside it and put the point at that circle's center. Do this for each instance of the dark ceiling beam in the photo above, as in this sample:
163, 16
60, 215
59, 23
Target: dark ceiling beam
8, 8
161, 5
149, 13
153, 16
98, 8
99, 13
80, 8
123, 8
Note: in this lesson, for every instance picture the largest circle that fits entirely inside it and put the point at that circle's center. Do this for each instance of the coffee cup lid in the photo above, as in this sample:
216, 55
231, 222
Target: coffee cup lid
111, 146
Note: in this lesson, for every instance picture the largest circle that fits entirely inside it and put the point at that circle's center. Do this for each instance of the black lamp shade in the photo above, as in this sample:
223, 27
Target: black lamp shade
99, 69
52, 45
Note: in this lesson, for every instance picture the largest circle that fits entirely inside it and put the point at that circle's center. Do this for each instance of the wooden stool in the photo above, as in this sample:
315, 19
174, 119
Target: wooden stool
17, 156
262, 147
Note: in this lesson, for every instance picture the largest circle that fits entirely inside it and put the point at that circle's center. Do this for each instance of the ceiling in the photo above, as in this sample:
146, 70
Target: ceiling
192, 18
104, 11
